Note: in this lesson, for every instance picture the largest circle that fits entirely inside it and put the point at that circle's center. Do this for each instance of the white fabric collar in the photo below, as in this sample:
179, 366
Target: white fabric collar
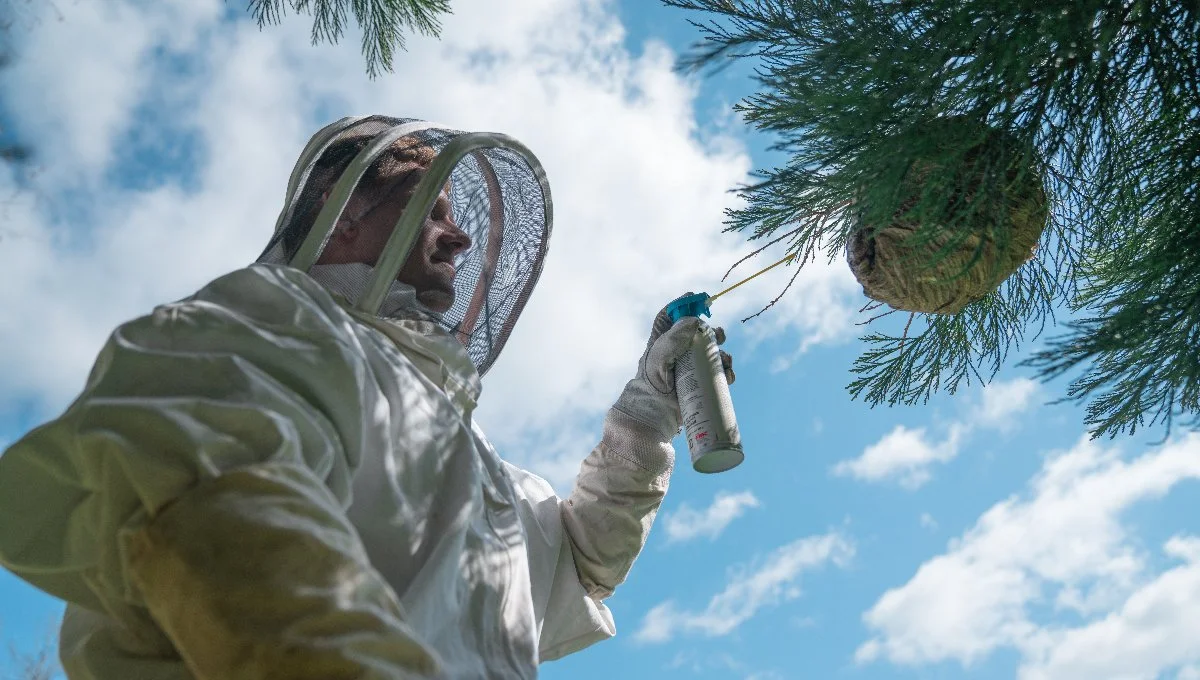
351, 280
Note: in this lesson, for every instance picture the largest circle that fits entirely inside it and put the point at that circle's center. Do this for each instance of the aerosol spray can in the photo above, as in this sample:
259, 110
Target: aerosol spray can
703, 390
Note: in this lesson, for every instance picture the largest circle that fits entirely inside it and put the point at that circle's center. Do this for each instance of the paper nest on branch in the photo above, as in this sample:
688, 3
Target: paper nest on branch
990, 234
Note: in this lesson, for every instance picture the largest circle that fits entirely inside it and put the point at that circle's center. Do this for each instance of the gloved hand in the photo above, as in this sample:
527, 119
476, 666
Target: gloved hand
647, 412
622, 483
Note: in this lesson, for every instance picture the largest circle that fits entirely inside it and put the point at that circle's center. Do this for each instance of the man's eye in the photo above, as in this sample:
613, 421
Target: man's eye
440, 210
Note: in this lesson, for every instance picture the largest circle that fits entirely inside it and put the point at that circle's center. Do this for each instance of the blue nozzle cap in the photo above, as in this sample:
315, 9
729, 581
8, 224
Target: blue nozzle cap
688, 305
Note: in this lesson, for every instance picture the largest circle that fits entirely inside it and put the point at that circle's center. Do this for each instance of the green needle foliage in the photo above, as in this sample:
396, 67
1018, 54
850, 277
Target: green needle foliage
1106, 92
383, 22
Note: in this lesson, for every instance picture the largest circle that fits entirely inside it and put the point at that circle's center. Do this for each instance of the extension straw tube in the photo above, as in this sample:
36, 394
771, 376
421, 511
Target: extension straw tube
703, 391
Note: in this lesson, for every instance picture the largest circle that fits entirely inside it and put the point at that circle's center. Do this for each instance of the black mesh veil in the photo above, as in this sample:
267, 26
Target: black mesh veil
499, 197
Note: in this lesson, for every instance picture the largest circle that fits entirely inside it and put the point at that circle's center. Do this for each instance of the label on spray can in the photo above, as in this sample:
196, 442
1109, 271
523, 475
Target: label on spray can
706, 407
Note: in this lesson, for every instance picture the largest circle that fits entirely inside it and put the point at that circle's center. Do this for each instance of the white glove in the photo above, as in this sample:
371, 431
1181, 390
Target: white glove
649, 397
645, 418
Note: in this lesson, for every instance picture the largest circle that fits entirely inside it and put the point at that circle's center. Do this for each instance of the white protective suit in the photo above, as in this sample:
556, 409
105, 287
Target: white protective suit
260, 481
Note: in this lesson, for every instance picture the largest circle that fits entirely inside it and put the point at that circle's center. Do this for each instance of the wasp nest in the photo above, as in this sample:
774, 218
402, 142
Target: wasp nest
955, 233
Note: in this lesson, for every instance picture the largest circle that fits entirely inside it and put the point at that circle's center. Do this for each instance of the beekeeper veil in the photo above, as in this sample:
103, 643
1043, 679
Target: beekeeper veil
498, 196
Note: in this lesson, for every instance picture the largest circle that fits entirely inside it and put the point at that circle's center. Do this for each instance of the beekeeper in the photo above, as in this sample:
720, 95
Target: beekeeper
266, 481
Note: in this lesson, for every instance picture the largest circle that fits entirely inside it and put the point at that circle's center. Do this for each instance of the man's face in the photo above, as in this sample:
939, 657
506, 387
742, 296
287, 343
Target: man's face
430, 267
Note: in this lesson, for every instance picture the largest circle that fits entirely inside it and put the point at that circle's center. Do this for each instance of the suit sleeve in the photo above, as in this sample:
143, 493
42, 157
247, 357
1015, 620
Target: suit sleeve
582, 547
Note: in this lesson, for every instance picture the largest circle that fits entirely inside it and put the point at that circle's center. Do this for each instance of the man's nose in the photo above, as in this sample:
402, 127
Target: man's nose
453, 239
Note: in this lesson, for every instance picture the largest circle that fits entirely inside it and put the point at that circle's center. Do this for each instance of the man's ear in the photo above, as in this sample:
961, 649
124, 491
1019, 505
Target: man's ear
345, 231
347, 228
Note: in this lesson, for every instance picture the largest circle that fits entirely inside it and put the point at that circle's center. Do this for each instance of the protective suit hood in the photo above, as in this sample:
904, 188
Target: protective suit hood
498, 195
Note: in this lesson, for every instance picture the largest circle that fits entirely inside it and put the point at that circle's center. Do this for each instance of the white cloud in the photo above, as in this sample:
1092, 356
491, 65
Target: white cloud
928, 522
751, 588
904, 455
907, 456
1061, 548
77, 117
1154, 630
687, 523
1004, 400
639, 190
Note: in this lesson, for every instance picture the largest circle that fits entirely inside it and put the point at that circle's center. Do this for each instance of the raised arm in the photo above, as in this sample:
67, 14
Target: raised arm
582, 547
623, 481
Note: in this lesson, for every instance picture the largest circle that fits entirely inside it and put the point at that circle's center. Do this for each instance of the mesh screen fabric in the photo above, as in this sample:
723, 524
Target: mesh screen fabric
498, 196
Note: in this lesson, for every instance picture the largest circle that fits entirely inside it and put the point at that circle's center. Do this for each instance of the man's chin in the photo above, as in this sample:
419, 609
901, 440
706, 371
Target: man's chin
439, 301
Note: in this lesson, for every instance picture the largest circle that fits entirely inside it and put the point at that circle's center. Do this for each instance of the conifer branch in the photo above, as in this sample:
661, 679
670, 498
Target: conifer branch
1106, 93
383, 22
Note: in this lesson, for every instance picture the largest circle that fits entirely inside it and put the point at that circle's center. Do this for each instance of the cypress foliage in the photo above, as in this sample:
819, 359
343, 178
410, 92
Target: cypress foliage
383, 22
1106, 92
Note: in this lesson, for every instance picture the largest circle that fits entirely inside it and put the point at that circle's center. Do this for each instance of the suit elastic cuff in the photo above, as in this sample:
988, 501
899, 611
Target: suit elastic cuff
637, 442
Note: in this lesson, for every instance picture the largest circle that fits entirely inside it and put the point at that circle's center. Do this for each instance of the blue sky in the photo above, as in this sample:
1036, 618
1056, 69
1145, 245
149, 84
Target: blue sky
980, 535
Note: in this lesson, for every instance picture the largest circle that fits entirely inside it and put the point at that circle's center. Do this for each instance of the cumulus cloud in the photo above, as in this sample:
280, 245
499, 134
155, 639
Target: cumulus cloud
750, 589
904, 455
1059, 548
1154, 630
687, 523
1001, 401
908, 455
166, 134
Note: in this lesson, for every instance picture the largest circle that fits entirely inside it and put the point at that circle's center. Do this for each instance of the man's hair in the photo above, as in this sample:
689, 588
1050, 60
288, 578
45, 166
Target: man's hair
404, 155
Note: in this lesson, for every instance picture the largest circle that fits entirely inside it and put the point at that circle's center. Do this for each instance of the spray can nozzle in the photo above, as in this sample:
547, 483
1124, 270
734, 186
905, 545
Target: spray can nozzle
698, 304
689, 305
